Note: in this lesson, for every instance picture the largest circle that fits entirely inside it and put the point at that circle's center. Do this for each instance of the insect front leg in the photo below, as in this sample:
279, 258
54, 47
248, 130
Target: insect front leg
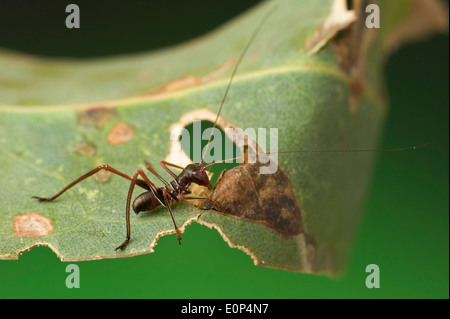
164, 164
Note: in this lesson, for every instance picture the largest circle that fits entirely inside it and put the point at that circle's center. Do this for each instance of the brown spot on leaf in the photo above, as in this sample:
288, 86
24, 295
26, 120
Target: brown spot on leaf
269, 199
32, 225
85, 149
188, 81
96, 116
121, 133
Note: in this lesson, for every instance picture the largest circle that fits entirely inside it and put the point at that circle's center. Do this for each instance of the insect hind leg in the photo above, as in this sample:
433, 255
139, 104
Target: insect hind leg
105, 167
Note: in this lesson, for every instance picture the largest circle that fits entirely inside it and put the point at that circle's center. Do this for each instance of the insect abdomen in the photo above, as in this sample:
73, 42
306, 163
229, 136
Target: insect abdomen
145, 202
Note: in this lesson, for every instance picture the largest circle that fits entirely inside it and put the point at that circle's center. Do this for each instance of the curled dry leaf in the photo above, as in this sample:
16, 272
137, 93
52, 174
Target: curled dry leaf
424, 18
351, 47
339, 19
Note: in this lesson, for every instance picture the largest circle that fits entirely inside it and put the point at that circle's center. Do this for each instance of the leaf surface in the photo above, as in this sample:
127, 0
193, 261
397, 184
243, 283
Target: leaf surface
61, 118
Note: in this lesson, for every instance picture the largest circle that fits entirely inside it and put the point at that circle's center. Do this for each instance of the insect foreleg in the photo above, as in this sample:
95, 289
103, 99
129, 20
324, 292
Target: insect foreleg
151, 170
164, 165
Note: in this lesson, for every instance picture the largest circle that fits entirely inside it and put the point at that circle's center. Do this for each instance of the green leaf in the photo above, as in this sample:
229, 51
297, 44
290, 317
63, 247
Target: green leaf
59, 119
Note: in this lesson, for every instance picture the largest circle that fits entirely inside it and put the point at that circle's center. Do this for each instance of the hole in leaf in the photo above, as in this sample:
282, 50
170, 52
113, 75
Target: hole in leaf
350, 4
195, 139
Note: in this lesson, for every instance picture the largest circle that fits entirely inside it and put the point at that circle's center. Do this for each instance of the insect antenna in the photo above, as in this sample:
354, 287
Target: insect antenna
408, 148
241, 57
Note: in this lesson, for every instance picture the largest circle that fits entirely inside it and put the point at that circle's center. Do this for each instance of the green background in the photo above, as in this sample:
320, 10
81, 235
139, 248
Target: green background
405, 225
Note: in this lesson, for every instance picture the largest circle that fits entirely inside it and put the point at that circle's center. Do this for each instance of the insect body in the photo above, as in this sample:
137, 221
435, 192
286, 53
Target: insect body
173, 191
155, 196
